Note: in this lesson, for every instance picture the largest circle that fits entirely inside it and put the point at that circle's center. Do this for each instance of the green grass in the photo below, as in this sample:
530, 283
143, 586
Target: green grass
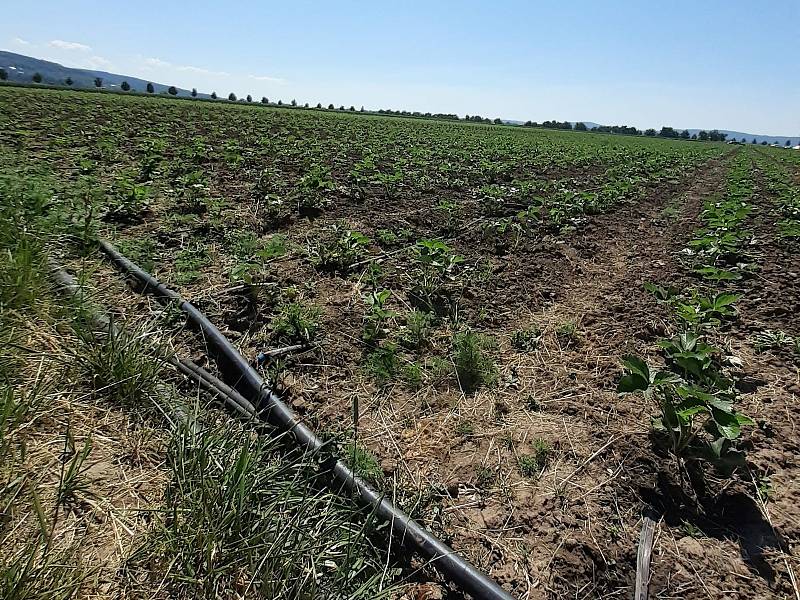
238, 517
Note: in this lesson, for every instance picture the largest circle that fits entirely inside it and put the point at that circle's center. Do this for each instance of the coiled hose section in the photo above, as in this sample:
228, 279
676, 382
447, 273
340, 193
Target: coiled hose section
267, 406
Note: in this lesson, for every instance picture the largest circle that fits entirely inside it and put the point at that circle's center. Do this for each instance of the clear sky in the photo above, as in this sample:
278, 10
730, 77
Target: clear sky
727, 64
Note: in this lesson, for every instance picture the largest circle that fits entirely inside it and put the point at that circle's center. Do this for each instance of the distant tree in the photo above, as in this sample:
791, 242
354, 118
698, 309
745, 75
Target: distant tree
249, 98
98, 82
685, 134
667, 132
361, 109
172, 90
580, 126
280, 102
150, 88
125, 86
764, 143
37, 78
702, 136
341, 107
3, 75
650, 132
264, 100
753, 141
68, 81
716, 136
194, 92
498, 121
213, 95
694, 136
305, 105
232, 97
352, 108
294, 102
319, 104
331, 107
788, 143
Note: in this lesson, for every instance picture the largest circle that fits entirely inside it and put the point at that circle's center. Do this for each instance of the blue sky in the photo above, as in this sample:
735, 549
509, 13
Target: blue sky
698, 64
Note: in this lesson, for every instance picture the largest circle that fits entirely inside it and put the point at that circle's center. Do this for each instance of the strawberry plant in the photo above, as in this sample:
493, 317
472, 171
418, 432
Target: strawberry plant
128, 201
696, 420
435, 267
337, 249
377, 315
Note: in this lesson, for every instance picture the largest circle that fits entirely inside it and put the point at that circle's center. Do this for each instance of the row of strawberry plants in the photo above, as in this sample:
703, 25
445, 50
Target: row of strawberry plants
718, 251
694, 391
786, 194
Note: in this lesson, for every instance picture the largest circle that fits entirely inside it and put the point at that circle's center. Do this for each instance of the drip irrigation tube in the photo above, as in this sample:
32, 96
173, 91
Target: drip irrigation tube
275, 412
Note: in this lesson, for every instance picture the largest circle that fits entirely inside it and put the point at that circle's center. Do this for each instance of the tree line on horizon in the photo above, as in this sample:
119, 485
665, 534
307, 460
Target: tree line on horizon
665, 132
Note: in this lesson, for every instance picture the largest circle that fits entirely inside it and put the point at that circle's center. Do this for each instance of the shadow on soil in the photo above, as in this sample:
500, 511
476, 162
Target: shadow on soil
731, 515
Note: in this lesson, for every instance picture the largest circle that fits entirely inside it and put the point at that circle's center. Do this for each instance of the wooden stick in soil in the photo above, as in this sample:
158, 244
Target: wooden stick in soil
643, 558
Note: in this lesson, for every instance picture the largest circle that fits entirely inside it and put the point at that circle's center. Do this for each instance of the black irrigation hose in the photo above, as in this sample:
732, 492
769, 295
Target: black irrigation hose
214, 386
273, 410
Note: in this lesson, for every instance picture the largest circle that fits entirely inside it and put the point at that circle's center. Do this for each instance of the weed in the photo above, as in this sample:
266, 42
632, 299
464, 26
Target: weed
72, 478
141, 250
122, 365
413, 375
242, 514
417, 330
363, 462
772, 340
567, 334
187, 264
527, 340
532, 404
382, 363
387, 237
21, 269
297, 323
485, 477
474, 368
531, 465
692, 530
465, 429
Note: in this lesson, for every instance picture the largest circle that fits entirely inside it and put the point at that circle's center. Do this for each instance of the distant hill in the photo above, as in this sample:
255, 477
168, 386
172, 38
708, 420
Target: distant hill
21, 68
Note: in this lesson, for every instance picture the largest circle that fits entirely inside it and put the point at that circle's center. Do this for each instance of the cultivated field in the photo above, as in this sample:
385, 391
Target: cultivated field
530, 339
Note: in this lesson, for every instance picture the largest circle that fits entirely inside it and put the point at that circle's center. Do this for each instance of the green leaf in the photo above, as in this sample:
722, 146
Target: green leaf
665, 378
631, 383
721, 405
637, 366
727, 423
725, 300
